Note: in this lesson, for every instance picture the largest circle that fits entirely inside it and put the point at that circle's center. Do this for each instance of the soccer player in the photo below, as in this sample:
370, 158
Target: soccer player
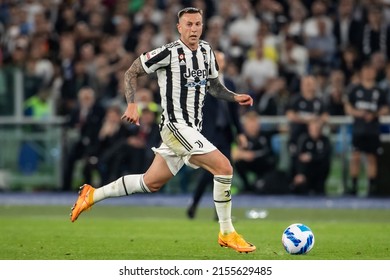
366, 103
186, 70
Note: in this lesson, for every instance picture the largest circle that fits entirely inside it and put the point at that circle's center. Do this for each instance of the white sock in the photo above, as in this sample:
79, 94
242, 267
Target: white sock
223, 202
125, 185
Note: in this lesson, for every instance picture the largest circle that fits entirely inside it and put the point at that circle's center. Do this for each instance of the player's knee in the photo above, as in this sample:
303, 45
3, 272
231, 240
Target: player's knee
154, 188
152, 185
225, 168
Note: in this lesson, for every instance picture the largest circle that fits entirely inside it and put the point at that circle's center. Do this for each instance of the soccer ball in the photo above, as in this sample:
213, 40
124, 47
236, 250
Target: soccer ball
298, 239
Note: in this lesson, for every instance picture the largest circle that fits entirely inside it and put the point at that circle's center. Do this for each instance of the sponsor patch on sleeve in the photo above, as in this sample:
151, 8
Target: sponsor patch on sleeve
152, 54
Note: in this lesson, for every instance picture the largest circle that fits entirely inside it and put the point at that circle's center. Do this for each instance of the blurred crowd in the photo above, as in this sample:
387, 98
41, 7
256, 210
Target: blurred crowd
73, 55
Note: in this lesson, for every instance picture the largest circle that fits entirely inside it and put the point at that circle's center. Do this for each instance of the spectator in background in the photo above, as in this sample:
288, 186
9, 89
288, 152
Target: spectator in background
124, 30
272, 12
19, 52
375, 34
242, 31
334, 93
148, 14
336, 79
66, 20
39, 106
87, 57
25, 22
321, 47
268, 40
366, 103
345, 28
134, 153
378, 61
303, 108
322, 80
314, 158
145, 37
44, 34
166, 34
319, 13
294, 61
350, 64
86, 119
335, 102
67, 57
229, 12
384, 84
215, 34
87, 8
95, 26
101, 156
297, 16
116, 57
269, 102
258, 71
145, 99
42, 66
257, 158
32, 82
5, 96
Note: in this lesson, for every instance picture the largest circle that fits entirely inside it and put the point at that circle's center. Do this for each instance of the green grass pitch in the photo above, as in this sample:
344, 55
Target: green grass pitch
164, 233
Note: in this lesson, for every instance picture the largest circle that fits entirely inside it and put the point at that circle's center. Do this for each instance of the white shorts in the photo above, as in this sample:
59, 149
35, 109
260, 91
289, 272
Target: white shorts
180, 142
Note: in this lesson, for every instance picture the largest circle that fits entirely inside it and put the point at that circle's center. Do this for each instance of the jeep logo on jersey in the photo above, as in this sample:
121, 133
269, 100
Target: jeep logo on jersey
195, 73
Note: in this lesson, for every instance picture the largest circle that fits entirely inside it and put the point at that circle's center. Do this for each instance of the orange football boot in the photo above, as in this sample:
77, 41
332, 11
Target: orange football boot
84, 201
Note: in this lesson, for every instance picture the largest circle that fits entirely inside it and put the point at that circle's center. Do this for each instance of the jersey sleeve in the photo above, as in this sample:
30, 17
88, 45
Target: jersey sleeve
213, 70
155, 59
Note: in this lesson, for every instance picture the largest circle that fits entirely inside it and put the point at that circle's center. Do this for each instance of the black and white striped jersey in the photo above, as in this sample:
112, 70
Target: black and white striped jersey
183, 79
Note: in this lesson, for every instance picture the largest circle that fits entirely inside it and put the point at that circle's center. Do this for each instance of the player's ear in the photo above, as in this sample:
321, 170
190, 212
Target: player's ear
178, 27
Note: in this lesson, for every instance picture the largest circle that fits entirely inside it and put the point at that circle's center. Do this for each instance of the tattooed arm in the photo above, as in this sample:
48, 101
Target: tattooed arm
219, 91
136, 70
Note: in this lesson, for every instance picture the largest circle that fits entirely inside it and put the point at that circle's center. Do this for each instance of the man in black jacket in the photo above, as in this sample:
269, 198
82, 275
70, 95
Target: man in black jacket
303, 108
87, 120
313, 164
258, 157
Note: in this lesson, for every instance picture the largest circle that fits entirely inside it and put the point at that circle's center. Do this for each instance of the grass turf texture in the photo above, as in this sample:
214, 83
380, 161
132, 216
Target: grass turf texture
155, 233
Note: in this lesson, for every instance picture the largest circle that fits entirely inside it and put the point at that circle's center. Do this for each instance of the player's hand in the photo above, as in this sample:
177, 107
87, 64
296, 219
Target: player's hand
131, 114
243, 99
